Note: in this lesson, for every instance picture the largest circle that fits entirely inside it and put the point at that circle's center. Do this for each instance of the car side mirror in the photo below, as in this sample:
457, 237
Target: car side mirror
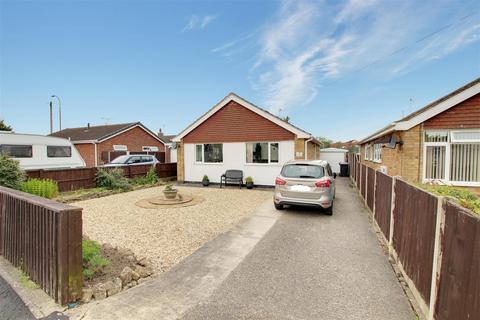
334, 175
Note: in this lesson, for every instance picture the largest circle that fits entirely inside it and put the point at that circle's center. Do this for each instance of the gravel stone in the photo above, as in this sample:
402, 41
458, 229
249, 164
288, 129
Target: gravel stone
99, 292
115, 288
87, 294
166, 236
126, 275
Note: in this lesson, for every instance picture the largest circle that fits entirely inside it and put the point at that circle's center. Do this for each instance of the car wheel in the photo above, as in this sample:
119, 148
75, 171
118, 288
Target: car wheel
328, 211
278, 206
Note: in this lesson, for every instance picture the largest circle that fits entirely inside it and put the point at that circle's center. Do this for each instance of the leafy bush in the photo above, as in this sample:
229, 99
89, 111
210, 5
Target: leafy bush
11, 175
150, 178
41, 187
111, 179
93, 259
205, 178
169, 187
248, 179
464, 197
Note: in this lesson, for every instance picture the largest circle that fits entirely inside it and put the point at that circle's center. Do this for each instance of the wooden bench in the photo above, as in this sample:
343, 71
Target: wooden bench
232, 176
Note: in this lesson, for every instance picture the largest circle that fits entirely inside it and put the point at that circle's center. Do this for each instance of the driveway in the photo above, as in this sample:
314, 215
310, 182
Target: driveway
11, 306
312, 266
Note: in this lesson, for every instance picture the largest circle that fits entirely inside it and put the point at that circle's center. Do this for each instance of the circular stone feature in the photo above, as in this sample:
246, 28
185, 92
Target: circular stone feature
181, 198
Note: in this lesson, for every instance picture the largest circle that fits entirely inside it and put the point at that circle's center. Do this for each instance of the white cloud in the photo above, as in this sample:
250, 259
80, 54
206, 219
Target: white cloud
198, 22
307, 43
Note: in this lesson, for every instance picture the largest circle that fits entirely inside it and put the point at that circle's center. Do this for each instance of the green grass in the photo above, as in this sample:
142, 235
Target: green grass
93, 259
461, 196
26, 282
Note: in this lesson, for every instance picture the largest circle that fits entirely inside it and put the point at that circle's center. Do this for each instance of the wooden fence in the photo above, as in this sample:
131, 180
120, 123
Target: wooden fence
84, 178
44, 239
435, 243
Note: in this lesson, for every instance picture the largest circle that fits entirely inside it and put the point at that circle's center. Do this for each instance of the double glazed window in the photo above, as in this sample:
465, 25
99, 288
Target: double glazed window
373, 152
59, 151
262, 152
209, 153
452, 156
16, 151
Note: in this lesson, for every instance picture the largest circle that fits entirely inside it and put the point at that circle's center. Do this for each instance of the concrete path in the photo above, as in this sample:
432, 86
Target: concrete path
312, 266
294, 264
11, 306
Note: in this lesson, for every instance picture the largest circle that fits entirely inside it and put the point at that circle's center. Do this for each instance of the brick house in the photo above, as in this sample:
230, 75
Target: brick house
101, 144
235, 134
440, 142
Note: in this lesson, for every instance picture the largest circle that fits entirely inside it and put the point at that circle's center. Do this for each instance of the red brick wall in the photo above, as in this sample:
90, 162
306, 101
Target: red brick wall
87, 151
134, 139
464, 115
235, 123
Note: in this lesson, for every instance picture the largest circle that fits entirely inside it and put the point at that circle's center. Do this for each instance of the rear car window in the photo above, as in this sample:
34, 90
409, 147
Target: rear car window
303, 171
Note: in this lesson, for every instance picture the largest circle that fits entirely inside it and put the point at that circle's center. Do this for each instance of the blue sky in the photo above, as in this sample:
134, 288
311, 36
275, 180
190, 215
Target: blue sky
340, 69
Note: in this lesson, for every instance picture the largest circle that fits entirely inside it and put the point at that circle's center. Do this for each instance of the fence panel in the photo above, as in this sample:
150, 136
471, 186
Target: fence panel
44, 239
167, 170
383, 202
370, 187
459, 284
414, 223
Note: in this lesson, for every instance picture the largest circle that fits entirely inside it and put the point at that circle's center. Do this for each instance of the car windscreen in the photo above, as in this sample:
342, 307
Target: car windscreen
121, 159
302, 171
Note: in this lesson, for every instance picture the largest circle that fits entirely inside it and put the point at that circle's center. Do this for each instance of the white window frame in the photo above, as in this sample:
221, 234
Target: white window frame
448, 155
377, 152
203, 154
269, 163
366, 151
150, 148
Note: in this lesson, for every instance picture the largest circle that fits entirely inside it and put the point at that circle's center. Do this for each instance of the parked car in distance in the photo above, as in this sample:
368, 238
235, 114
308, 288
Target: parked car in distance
133, 160
33, 151
305, 183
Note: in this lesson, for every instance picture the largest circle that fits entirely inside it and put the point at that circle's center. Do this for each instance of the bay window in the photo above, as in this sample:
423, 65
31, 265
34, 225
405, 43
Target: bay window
262, 152
209, 153
452, 156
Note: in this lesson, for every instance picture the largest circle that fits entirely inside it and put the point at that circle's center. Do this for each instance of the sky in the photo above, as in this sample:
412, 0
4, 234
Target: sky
337, 69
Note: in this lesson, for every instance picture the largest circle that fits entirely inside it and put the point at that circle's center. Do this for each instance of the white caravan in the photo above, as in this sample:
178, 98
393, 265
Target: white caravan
40, 152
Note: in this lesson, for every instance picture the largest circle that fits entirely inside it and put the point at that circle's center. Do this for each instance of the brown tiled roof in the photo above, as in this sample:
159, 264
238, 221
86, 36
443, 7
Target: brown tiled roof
92, 132
167, 138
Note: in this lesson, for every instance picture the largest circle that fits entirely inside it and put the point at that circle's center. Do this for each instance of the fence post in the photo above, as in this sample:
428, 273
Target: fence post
366, 186
374, 192
437, 256
392, 224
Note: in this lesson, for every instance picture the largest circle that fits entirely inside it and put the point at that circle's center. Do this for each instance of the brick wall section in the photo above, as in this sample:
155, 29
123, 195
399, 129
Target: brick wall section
299, 148
87, 151
462, 116
235, 123
134, 139
180, 162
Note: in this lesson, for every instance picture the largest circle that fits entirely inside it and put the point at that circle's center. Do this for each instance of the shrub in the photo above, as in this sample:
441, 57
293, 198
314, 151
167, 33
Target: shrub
248, 179
150, 178
111, 179
41, 187
205, 178
11, 175
93, 259
169, 187
464, 197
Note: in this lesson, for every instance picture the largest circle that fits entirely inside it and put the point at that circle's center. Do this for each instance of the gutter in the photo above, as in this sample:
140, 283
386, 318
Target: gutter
306, 144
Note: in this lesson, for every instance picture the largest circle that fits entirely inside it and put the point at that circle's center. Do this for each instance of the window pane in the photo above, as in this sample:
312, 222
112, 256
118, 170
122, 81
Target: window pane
16, 151
466, 136
274, 152
435, 162
436, 136
465, 162
257, 152
302, 171
59, 151
198, 157
212, 153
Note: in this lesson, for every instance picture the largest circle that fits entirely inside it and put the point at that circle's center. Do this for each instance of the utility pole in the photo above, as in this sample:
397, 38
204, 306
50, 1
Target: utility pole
51, 117
59, 111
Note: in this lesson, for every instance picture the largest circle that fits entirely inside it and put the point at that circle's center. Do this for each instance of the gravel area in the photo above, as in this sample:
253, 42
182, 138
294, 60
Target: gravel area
167, 235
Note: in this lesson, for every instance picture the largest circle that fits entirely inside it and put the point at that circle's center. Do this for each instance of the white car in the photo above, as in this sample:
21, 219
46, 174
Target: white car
133, 160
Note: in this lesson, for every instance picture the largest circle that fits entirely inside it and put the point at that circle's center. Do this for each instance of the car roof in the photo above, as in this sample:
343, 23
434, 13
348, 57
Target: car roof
310, 162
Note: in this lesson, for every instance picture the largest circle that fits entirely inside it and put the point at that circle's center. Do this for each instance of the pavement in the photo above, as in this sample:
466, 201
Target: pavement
11, 306
291, 264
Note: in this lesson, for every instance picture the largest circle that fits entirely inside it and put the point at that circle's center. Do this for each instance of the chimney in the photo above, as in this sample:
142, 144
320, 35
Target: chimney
160, 132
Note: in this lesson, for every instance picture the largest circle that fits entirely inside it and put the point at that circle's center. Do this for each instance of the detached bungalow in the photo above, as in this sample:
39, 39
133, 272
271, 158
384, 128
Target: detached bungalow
438, 142
236, 134
101, 144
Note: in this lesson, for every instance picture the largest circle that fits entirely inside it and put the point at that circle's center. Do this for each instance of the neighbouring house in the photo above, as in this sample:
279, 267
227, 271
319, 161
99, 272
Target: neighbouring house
334, 156
236, 134
171, 147
101, 144
440, 142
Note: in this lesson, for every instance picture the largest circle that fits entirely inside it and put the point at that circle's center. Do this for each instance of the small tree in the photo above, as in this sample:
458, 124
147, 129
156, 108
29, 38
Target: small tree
4, 127
325, 142
11, 176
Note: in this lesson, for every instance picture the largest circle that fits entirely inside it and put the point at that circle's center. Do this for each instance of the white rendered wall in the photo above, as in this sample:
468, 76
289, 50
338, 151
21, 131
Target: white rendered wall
333, 158
234, 157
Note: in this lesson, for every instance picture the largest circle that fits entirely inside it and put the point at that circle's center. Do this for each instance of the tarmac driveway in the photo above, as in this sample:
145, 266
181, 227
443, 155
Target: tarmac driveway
312, 266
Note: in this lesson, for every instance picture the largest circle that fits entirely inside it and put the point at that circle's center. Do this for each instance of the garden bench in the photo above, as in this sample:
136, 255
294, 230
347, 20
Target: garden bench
232, 176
